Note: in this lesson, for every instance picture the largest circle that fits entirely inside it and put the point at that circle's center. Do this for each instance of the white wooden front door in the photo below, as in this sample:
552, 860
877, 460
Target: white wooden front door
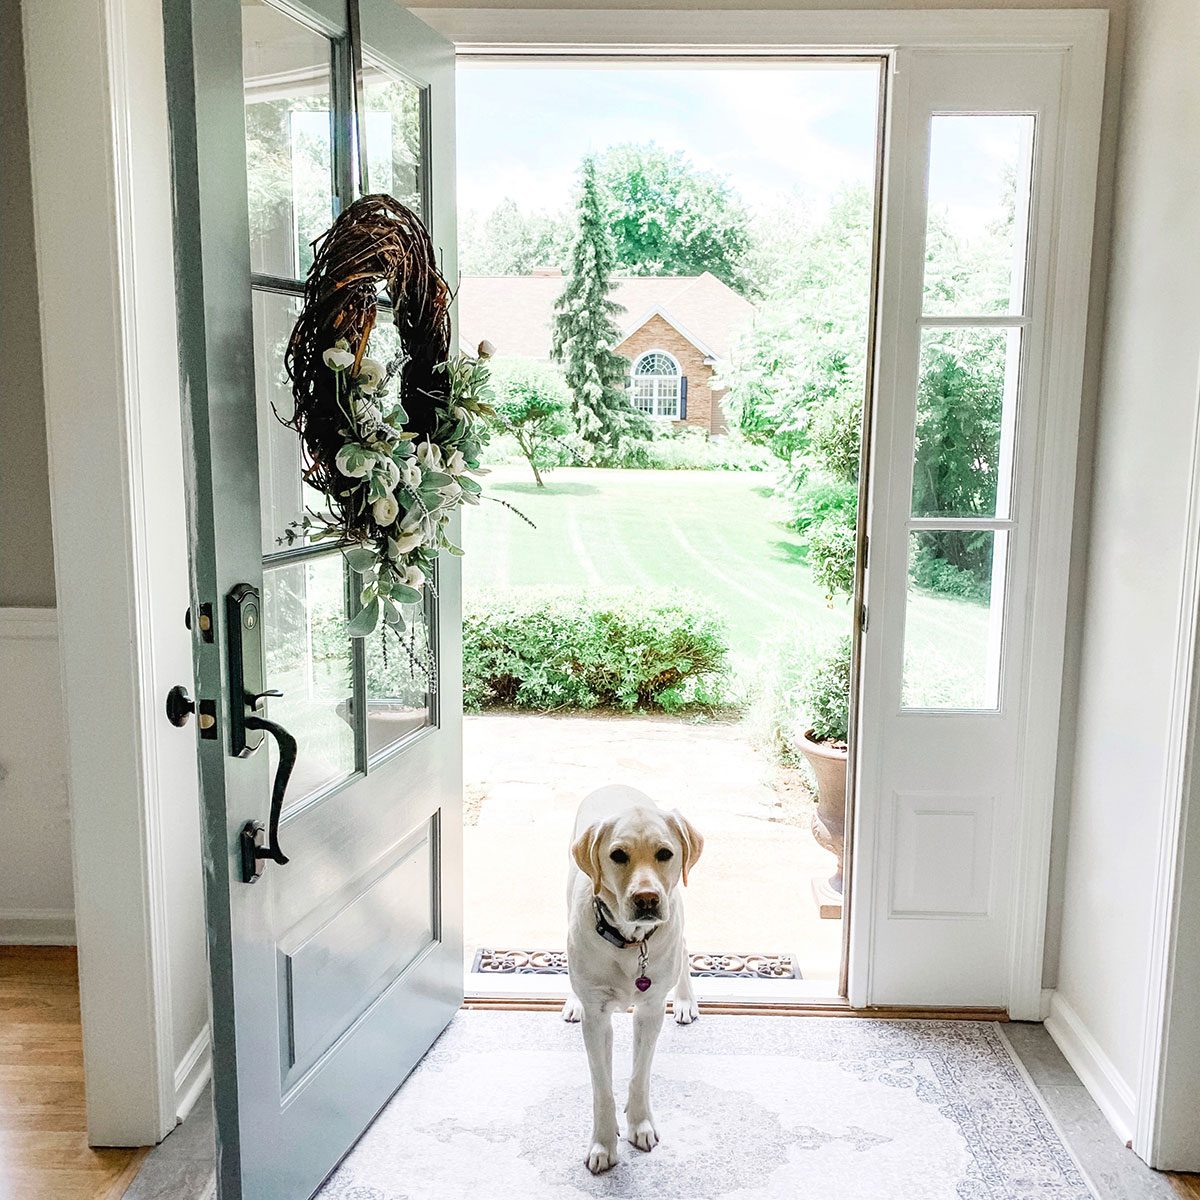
986, 249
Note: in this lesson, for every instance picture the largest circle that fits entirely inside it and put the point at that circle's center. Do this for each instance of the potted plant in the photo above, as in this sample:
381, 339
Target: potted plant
825, 702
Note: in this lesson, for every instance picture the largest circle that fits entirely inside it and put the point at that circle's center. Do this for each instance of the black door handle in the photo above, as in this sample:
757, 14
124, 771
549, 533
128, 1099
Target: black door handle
254, 849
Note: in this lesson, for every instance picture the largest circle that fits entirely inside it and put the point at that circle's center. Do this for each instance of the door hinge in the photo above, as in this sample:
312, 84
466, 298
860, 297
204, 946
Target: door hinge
862, 618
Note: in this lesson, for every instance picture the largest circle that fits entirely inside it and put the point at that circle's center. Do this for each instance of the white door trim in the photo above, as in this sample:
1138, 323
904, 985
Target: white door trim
103, 232
1081, 35
1169, 1023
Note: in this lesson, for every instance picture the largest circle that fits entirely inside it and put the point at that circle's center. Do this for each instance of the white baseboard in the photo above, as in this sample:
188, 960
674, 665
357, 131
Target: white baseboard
192, 1074
1096, 1071
37, 927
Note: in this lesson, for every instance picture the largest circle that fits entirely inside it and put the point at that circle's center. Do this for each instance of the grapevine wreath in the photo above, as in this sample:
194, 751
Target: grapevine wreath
393, 447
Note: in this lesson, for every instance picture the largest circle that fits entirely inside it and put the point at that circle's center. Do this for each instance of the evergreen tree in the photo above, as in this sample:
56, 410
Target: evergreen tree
585, 334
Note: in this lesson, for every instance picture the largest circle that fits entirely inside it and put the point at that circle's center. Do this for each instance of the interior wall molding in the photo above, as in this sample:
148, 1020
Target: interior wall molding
192, 1074
1112, 1093
37, 927
28, 624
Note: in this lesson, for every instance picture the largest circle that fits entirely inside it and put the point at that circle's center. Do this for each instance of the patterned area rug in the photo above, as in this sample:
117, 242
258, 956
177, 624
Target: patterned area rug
748, 1107
704, 966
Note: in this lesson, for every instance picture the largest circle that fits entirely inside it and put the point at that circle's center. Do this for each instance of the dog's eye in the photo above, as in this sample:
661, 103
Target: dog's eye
619, 856
665, 855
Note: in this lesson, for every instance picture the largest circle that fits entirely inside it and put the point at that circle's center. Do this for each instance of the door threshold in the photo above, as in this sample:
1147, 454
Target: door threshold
801, 1007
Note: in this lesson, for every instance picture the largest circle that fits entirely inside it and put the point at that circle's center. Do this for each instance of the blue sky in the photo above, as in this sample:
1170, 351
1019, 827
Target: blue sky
774, 130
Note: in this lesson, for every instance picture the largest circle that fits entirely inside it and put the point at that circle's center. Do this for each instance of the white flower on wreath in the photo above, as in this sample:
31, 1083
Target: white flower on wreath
388, 472
385, 510
367, 415
456, 464
409, 538
414, 577
429, 455
338, 356
354, 462
370, 375
410, 474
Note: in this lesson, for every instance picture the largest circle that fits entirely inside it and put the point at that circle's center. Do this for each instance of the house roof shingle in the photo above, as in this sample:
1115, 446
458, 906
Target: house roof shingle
514, 312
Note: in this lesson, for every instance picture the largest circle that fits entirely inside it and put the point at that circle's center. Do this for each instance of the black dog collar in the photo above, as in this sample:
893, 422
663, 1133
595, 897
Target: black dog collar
608, 930
610, 933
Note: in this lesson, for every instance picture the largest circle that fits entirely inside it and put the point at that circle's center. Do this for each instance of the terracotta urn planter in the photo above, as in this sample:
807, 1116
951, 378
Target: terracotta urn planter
828, 762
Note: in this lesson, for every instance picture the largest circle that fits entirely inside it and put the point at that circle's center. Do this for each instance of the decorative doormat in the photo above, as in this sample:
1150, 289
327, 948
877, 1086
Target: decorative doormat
704, 966
752, 1108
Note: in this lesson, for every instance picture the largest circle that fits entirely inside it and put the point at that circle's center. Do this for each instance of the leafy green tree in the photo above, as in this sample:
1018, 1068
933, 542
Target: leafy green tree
511, 242
671, 218
957, 462
531, 404
585, 334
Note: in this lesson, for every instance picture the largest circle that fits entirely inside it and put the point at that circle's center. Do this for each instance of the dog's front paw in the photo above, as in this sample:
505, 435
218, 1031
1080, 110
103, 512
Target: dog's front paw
572, 1009
642, 1134
602, 1156
686, 1009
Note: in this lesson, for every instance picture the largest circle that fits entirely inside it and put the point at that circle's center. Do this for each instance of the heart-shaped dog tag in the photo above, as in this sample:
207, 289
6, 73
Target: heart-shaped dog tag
642, 982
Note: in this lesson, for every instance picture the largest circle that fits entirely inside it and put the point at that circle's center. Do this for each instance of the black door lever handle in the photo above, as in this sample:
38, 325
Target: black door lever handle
253, 849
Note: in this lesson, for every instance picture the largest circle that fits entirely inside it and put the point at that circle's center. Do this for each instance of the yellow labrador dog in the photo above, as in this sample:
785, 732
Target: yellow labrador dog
625, 946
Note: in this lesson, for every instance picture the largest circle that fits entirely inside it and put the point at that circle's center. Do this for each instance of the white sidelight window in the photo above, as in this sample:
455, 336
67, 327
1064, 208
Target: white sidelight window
656, 385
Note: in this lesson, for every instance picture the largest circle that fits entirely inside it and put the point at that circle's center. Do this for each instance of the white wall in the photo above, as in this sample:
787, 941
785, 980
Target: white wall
36, 901
113, 421
1132, 656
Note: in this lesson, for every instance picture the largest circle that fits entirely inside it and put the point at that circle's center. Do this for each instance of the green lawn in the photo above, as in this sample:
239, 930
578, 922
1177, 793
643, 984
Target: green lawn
716, 534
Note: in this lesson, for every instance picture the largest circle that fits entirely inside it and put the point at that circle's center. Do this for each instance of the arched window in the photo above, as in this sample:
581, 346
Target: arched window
656, 385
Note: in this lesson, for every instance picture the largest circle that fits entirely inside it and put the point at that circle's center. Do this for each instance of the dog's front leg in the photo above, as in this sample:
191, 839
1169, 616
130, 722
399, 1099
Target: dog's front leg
598, 1038
647, 1024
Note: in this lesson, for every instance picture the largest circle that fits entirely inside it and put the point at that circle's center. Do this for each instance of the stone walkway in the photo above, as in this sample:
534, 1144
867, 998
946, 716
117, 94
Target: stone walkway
751, 892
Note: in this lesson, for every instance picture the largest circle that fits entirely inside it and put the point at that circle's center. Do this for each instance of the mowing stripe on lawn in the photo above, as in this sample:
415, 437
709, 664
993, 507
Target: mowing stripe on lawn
717, 573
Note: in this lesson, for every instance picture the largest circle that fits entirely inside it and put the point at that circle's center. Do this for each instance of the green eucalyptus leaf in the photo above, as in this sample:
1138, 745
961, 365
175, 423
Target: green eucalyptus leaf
367, 621
469, 485
403, 594
361, 559
436, 479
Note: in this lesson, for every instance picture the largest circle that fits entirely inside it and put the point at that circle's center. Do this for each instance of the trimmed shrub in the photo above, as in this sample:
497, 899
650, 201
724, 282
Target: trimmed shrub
690, 448
548, 650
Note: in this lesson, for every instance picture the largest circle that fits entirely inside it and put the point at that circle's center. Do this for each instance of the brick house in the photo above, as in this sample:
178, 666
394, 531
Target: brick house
675, 331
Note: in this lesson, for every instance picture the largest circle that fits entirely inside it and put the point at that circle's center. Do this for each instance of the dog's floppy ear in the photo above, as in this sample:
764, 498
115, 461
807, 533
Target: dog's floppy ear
689, 838
586, 852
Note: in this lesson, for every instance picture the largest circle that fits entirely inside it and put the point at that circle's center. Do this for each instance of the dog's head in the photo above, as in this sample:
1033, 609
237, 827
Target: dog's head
638, 858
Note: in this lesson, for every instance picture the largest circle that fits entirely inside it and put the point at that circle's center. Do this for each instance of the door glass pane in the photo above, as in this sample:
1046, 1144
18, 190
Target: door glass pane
399, 670
309, 659
289, 138
283, 494
954, 619
966, 404
393, 132
976, 232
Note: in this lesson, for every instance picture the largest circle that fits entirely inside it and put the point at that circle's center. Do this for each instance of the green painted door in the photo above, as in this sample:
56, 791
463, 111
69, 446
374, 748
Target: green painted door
332, 974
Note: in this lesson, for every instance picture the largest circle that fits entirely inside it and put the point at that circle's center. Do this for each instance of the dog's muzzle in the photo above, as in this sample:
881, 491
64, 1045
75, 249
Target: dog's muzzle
645, 906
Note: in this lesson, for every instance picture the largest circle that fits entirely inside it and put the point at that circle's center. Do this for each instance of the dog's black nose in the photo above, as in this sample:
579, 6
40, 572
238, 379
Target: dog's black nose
646, 903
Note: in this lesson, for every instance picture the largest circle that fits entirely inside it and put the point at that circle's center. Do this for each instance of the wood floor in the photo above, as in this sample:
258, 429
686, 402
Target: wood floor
44, 1153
